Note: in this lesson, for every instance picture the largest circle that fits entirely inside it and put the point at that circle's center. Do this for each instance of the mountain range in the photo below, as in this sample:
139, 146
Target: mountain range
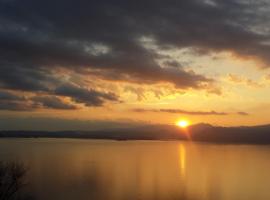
198, 132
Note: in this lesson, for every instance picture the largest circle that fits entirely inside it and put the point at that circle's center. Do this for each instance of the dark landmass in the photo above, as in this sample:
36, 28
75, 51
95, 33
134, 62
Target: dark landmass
198, 132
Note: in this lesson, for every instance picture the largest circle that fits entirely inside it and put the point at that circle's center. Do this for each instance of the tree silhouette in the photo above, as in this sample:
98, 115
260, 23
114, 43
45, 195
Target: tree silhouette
12, 180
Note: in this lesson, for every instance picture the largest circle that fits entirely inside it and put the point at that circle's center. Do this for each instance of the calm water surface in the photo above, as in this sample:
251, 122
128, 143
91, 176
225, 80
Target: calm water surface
147, 170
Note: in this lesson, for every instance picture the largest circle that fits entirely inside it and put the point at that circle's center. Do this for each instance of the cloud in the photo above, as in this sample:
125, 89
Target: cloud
192, 112
46, 37
180, 111
180, 78
15, 106
50, 98
242, 80
53, 102
110, 39
243, 113
139, 91
186, 112
13, 102
8, 96
88, 97
25, 78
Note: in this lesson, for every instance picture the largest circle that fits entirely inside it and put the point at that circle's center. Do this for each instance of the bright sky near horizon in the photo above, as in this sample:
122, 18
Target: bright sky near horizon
146, 62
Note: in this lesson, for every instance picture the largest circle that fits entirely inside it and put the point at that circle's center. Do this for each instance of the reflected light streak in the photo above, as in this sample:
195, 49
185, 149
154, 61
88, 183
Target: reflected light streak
182, 159
187, 133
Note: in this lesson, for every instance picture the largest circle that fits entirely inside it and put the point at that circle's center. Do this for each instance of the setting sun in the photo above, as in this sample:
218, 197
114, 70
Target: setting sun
182, 123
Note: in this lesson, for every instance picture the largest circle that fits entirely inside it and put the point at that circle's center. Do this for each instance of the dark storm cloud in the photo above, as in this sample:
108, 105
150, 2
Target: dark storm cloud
104, 38
50, 31
13, 102
186, 112
88, 97
53, 102
181, 78
8, 96
25, 78
41, 80
15, 106
85, 96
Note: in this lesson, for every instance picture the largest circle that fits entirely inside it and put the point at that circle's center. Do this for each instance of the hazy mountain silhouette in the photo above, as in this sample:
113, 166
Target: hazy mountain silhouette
198, 132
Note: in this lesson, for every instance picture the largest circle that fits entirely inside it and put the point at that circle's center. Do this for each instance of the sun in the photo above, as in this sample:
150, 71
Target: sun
182, 123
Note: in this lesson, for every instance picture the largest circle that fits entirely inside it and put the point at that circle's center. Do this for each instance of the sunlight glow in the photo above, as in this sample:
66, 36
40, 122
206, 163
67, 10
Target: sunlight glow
182, 123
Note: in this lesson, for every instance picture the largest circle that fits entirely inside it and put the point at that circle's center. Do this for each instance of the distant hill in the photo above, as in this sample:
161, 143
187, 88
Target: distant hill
197, 132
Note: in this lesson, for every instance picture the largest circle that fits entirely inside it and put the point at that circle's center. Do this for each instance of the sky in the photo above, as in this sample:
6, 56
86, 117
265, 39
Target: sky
81, 64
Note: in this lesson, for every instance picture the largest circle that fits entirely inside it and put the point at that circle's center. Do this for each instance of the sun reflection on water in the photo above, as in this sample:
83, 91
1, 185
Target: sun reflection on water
182, 159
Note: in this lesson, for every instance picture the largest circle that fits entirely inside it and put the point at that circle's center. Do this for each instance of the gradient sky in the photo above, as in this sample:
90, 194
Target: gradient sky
117, 62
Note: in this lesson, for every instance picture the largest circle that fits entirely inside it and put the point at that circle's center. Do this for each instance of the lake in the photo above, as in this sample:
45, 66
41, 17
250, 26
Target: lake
140, 170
